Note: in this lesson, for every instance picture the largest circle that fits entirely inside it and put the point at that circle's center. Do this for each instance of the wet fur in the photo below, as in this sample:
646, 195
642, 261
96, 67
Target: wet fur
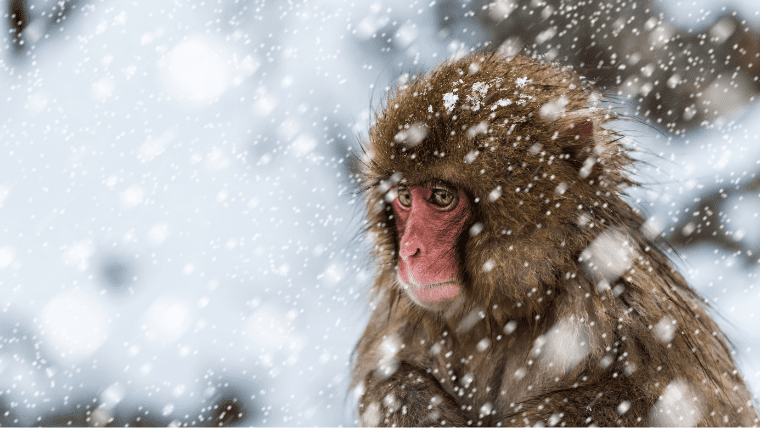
407, 356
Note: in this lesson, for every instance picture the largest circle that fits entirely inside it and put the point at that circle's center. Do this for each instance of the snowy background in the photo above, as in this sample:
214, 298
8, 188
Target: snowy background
179, 240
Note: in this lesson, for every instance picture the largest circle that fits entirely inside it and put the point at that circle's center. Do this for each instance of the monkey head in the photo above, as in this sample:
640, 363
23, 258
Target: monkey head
476, 176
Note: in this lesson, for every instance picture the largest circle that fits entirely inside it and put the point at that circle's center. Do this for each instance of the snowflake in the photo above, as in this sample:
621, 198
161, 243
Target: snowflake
522, 82
501, 103
479, 91
449, 101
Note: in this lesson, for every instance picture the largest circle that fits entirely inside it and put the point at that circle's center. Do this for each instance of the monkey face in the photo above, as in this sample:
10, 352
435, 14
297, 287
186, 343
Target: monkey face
430, 218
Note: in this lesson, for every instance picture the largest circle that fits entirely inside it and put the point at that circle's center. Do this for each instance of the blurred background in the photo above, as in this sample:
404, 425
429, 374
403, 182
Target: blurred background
179, 238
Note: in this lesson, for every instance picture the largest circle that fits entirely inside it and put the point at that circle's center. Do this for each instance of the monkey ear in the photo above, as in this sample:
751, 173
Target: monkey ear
579, 125
579, 134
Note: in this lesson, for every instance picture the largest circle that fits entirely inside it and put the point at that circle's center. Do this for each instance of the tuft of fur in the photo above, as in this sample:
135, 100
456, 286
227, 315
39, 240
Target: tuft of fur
572, 315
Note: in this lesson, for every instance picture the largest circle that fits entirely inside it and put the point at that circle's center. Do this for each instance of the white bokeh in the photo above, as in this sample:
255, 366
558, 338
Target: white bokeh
167, 319
74, 324
198, 70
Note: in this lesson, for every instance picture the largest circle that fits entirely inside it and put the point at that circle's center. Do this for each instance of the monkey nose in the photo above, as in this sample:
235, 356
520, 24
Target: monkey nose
409, 249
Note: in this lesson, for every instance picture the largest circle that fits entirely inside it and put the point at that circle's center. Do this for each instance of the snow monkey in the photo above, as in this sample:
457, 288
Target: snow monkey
516, 285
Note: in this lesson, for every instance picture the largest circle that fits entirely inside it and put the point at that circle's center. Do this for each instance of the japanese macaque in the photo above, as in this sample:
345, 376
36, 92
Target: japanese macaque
516, 285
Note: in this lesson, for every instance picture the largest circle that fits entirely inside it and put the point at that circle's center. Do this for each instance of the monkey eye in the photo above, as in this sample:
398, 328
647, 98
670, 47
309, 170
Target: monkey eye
404, 197
444, 198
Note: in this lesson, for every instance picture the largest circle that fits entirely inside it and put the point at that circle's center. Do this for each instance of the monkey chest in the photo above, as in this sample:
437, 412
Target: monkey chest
472, 380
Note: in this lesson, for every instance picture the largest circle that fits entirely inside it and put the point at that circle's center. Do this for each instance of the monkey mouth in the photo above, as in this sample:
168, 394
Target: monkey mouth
435, 293
439, 292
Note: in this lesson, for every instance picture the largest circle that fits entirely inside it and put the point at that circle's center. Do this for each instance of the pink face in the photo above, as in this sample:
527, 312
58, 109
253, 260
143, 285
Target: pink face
429, 220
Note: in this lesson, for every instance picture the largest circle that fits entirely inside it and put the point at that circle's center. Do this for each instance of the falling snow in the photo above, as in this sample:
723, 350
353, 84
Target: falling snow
178, 235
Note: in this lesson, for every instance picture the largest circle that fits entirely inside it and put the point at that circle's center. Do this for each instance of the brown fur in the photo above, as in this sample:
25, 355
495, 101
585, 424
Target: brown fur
585, 342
